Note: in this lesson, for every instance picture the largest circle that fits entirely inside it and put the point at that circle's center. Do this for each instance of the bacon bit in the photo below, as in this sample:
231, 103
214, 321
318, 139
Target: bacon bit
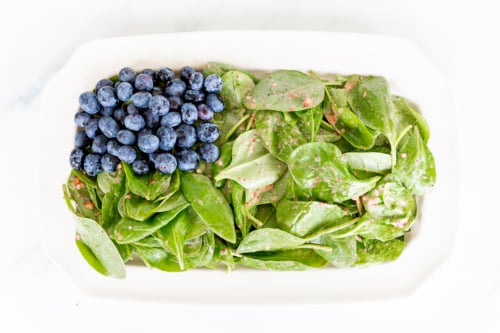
89, 205
364, 93
80, 186
223, 252
268, 188
251, 148
318, 179
349, 86
152, 181
307, 102
317, 159
293, 141
274, 85
208, 66
314, 184
119, 236
403, 155
75, 181
254, 139
339, 180
291, 108
198, 170
219, 162
399, 223
77, 236
128, 196
237, 76
322, 204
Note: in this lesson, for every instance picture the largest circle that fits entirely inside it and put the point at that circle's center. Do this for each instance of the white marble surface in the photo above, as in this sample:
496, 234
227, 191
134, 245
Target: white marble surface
460, 36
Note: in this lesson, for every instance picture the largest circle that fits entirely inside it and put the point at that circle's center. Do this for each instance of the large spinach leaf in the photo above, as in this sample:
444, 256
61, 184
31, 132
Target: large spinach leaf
286, 260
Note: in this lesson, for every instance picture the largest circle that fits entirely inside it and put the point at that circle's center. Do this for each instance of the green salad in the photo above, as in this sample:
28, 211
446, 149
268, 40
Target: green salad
314, 171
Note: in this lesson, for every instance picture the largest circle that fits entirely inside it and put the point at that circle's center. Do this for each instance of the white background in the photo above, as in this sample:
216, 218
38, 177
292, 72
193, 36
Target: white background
461, 37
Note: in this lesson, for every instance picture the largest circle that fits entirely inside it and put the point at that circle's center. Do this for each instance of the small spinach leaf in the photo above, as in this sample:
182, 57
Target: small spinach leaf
369, 161
150, 186
371, 251
172, 236
268, 239
235, 86
157, 258
343, 251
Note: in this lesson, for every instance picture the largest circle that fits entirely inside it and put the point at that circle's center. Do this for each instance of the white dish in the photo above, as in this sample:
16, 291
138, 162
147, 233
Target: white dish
410, 74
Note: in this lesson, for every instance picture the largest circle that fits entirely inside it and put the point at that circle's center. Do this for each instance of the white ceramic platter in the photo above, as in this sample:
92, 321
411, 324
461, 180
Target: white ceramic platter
410, 74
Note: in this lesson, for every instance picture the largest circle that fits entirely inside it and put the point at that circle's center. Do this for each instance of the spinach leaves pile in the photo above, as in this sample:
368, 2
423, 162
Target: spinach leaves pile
313, 171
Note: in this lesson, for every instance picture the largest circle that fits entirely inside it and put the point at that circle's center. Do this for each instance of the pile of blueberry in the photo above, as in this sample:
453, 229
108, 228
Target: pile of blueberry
151, 120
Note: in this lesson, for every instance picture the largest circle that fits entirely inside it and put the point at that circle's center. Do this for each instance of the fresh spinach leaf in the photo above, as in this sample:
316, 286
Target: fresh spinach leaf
310, 121
196, 227
286, 91
268, 239
286, 260
172, 236
369, 161
271, 193
238, 203
374, 251
235, 86
209, 204
343, 251
157, 258
406, 115
96, 247
220, 69
150, 186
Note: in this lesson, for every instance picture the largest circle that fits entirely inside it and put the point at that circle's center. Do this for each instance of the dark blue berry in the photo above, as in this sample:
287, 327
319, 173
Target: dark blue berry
144, 82
208, 132
107, 111
127, 74
82, 118
140, 167
175, 87
127, 154
165, 74
109, 163
167, 136
187, 159
108, 126
99, 144
215, 102
88, 102
124, 91
106, 97
195, 81
81, 139
103, 83
165, 163
152, 119
209, 152
92, 164
76, 159
171, 119
92, 128
213, 83
126, 137
141, 99
175, 103
159, 105
189, 113
186, 72
204, 112
148, 143
186, 136
119, 115
134, 122
112, 147
194, 96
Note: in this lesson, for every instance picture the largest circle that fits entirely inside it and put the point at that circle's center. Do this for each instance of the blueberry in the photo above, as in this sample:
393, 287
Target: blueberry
92, 164
159, 105
165, 163
195, 81
92, 128
141, 99
194, 96
119, 115
148, 71
140, 167
99, 144
186, 136
175, 103
127, 74
112, 147
103, 83
215, 102
88, 102
186, 72
106, 97
107, 111
167, 136
124, 91
208, 132
108, 126
76, 159
132, 109
175, 87
152, 120
209, 152
134, 122
81, 118
127, 154
148, 143
144, 82
171, 119
81, 139
109, 163
126, 137
187, 159
189, 113
165, 74
204, 112
213, 83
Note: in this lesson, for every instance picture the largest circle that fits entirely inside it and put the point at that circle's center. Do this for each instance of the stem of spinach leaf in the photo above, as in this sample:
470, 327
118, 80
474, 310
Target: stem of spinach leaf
235, 127
331, 229
314, 247
258, 223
